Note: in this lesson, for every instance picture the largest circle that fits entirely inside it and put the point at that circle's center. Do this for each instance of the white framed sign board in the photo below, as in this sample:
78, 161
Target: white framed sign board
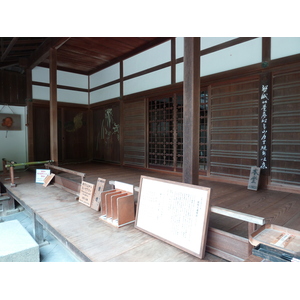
174, 212
41, 174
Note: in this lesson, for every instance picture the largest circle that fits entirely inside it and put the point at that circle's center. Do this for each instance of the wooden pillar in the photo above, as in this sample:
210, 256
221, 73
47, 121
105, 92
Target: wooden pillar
173, 61
191, 104
121, 103
29, 114
38, 232
53, 107
266, 51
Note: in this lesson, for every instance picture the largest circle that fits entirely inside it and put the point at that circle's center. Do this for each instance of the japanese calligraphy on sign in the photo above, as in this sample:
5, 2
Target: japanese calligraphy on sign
254, 178
96, 201
175, 212
264, 120
86, 193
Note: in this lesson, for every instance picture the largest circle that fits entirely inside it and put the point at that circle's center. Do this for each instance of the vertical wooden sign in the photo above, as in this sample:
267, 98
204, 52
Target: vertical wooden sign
86, 193
254, 178
96, 201
265, 121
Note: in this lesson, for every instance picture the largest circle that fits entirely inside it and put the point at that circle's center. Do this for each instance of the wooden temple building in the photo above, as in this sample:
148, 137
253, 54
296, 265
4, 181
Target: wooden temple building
199, 111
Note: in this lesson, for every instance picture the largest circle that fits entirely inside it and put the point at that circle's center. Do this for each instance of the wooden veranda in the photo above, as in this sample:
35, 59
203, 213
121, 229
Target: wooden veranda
80, 229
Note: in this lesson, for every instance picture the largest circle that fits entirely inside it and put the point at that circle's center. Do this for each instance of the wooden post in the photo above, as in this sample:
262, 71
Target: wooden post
12, 176
3, 166
53, 106
38, 232
191, 106
29, 114
251, 228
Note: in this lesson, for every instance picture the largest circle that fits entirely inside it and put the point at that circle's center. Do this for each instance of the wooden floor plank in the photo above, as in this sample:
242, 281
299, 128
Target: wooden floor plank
293, 222
283, 211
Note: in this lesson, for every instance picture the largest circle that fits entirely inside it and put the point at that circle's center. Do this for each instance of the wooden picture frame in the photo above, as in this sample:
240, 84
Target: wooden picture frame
174, 212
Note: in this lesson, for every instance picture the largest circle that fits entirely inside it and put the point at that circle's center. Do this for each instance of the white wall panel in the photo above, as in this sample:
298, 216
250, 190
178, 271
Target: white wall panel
40, 92
72, 79
179, 72
14, 142
104, 76
106, 93
148, 81
148, 59
40, 74
237, 56
179, 49
72, 96
284, 46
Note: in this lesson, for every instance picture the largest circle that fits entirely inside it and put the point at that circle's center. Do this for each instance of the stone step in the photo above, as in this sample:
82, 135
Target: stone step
17, 245
3, 198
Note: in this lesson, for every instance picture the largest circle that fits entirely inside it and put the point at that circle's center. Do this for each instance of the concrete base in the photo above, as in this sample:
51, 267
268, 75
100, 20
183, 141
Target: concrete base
7, 204
16, 244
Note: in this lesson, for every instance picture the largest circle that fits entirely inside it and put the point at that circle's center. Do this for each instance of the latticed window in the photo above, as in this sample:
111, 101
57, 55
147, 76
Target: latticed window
179, 131
203, 131
166, 132
161, 132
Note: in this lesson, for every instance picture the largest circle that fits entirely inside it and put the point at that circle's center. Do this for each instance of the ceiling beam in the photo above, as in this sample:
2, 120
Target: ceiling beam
9, 47
43, 51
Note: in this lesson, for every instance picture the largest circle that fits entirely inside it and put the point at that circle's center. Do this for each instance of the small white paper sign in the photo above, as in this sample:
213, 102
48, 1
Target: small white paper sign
41, 174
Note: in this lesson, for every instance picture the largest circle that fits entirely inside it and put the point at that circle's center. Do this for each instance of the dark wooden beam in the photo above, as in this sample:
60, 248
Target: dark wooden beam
6, 65
191, 101
53, 106
44, 50
173, 61
9, 47
226, 45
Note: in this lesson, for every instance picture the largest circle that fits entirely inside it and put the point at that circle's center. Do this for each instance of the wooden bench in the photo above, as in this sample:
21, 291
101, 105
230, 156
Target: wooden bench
231, 246
66, 183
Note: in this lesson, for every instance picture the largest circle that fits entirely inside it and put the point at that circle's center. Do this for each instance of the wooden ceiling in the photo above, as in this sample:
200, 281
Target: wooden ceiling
83, 55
